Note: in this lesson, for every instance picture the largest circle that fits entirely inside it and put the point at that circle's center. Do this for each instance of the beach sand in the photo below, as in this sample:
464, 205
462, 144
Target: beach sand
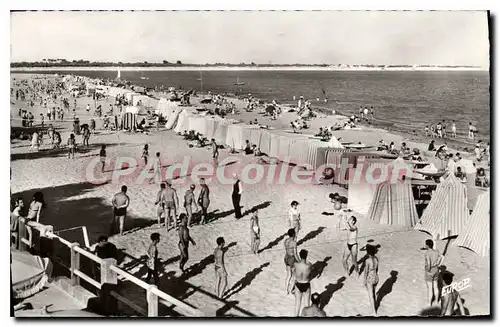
255, 282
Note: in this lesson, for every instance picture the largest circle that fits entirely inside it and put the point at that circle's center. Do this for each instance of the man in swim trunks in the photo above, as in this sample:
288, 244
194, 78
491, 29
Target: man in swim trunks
451, 298
184, 239
290, 257
313, 310
120, 203
433, 260
189, 202
171, 205
220, 269
160, 202
204, 201
302, 281
351, 248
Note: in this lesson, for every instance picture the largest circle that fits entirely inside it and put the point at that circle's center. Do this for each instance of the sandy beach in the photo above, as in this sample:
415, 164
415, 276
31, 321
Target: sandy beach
255, 282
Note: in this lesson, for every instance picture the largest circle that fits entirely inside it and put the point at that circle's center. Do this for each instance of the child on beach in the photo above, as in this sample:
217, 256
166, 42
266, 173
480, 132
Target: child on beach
152, 261
254, 232
454, 129
71, 146
102, 156
215, 150
145, 154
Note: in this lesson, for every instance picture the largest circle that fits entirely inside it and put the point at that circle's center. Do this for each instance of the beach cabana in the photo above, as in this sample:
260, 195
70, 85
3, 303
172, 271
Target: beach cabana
361, 191
234, 137
220, 134
165, 107
182, 122
173, 118
476, 233
447, 211
393, 204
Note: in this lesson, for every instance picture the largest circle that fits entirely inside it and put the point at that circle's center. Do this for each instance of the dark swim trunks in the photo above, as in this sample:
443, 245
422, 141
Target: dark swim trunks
289, 260
302, 287
349, 246
120, 211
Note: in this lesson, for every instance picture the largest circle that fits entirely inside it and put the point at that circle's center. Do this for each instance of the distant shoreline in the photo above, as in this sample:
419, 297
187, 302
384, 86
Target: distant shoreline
228, 68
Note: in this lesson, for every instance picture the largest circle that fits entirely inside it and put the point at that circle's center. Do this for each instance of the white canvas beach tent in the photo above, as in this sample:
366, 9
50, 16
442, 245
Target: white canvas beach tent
447, 213
476, 233
136, 110
393, 204
165, 108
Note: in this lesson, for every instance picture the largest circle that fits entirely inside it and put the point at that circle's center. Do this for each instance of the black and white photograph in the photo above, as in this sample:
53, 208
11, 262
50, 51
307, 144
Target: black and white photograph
250, 164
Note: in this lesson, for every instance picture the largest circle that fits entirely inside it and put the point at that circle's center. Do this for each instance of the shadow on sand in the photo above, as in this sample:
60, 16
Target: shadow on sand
330, 289
311, 235
386, 288
245, 281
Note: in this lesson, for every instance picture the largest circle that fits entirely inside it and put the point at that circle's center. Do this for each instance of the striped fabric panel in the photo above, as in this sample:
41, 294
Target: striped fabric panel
476, 233
447, 211
220, 134
275, 145
265, 142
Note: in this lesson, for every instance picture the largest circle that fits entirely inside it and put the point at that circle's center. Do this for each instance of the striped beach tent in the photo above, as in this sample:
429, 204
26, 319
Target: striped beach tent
361, 191
220, 134
173, 118
393, 204
129, 121
182, 122
447, 211
476, 233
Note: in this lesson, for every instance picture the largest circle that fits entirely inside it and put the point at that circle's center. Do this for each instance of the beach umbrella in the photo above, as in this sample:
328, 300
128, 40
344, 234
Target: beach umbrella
447, 212
475, 235
29, 273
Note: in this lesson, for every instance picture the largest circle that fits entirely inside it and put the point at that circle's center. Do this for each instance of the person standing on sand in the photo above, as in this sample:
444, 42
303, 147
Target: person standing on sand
351, 248
120, 203
313, 310
34, 142
215, 150
160, 203
145, 154
220, 268
451, 298
371, 275
454, 129
184, 239
204, 201
152, 260
71, 146
189, 201
171, 205
86, 136
254, 232
102, 157
432, 261
156, 169
236, 196
294, 217
471, 131
291, 257
302, 287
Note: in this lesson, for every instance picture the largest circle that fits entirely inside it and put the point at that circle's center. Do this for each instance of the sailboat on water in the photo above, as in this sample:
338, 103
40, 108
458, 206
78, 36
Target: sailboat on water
143, 77
118, 73
201, 81
238, 82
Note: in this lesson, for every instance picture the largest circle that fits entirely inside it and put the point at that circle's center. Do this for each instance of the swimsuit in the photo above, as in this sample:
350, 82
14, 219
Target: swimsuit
302, 287
289, 260
349, 246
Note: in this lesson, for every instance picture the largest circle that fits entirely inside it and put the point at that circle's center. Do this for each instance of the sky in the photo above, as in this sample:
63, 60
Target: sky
329, 37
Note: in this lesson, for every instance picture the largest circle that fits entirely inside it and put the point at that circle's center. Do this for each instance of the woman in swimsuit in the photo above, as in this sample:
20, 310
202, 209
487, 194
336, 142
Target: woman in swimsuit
255, 232
36, 206
291, 257
371, 275
351, 248
294, 216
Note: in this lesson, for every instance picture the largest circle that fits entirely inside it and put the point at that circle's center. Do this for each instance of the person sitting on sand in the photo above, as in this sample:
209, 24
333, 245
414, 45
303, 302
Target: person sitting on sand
220, 268
462, 177
431, 146
392, 148
152, 258
314, 310
481, 179
320, 133
248, 148
405, 150
382, 146
337, 200
451, 298
291, 257
302, 288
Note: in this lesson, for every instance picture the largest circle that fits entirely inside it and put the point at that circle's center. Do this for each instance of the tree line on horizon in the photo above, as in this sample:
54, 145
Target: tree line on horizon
178, 63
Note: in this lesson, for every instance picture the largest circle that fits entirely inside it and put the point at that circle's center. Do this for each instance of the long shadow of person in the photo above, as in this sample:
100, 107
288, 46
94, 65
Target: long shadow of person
330, 289
318, 267
386, 288
261, 206
273, 243
309, 236
198, 268
362, 261
245, 281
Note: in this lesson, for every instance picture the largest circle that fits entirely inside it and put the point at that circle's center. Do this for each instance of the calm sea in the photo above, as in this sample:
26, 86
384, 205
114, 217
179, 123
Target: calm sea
404, 101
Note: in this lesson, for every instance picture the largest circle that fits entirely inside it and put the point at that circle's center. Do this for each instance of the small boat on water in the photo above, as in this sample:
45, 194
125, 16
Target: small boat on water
118, 74
238, 82
144, 77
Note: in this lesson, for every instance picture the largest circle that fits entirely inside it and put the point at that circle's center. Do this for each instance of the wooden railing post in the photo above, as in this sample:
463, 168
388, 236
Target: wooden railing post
152, 302
108, 276
75, 264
